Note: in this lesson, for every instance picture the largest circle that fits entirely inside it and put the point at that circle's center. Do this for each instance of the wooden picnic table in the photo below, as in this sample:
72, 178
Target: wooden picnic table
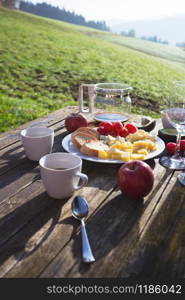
40, 238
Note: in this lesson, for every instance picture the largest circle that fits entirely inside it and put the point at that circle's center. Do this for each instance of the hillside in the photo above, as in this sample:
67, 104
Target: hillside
169, 28
43, 62
170, 54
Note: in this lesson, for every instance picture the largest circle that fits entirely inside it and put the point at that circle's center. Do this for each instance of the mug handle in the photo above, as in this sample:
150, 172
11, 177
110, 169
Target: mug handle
84, 178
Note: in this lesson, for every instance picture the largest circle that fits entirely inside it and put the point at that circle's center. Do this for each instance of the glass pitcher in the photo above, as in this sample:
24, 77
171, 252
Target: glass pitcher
107, 97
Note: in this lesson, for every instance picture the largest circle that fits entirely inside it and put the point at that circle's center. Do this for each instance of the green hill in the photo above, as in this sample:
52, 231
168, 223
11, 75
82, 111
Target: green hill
170, 54
43, 62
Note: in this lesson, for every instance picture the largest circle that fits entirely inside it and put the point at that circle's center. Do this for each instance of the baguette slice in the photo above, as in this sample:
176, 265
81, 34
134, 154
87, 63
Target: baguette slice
92, 148
83, 135
87, 130
80, 140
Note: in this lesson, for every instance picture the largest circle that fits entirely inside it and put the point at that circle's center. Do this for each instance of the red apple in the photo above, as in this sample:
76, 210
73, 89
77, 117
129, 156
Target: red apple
74, 121
135, 179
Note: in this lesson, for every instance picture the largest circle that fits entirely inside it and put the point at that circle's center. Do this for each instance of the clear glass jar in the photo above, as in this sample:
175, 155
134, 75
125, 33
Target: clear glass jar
113, 97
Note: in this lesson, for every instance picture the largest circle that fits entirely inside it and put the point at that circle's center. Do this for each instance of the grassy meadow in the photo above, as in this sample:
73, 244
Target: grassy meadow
43, 62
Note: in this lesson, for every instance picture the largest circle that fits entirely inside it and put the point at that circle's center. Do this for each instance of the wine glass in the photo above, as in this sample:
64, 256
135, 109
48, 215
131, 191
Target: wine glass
175, 116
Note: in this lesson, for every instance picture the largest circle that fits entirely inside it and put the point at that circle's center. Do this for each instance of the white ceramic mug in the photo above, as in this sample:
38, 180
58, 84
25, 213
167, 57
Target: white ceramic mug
37, 141
60, 173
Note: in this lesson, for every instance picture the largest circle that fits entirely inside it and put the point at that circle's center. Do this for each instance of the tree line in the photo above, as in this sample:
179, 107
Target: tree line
8, 3
53, 12
155, 39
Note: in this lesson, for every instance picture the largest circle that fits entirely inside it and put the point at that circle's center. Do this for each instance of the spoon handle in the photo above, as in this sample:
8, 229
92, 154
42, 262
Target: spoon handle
86, 249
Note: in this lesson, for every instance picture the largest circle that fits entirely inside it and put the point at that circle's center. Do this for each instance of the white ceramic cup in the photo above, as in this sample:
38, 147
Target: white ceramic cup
37, 141
60, 173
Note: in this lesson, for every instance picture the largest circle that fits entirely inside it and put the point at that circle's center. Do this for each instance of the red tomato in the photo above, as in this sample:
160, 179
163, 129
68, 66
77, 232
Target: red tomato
124, 132
101, 130
182, 145
113, 133
170, 147
131, 127
107, 127
103, 124
117, 128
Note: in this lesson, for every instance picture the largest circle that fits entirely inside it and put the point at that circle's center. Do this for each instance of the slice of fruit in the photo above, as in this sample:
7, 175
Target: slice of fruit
116, 145
137, 156
142, 151
125, 156
103, 154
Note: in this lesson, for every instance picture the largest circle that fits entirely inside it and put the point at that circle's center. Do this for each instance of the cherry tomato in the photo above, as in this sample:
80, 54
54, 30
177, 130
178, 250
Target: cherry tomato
101, 130
170, 147
117, 128
103, 124
107, 127
131, 127
182, 145
124, 132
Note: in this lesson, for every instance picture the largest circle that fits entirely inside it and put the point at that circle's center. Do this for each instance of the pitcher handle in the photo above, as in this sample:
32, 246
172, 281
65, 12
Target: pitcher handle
91, 97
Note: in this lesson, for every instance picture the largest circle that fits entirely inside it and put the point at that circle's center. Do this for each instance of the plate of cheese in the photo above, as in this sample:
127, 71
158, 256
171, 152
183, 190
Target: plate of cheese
88, 144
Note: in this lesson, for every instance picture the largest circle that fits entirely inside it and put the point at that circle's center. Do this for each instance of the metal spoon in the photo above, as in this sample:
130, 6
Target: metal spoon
80, 211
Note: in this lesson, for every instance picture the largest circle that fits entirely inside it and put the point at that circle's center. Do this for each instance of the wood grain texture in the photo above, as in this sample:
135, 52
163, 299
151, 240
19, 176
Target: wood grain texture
122, 222
13, 136
40, 238
64, 229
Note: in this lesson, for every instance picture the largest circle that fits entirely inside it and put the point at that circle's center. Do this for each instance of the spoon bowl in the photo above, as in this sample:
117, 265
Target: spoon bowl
79, 208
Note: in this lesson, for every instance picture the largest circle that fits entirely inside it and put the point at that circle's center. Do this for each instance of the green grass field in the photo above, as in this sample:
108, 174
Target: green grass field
43, 62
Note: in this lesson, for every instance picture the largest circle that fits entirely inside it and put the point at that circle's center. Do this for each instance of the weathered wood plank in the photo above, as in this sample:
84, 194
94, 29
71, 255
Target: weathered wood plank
115, 228
37, 232
102, 231
14, 155
22, 174
11, 137
100, 185
165, 236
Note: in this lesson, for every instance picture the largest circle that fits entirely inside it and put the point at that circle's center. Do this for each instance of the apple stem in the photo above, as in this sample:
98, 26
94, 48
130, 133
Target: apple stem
132, 166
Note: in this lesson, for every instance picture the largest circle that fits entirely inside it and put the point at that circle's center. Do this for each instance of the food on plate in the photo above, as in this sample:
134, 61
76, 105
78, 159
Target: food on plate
135, 179
113, 129
105, 128
83, 135
140, 135
75, 121
90, 142
92, 147
144, 144
131, 127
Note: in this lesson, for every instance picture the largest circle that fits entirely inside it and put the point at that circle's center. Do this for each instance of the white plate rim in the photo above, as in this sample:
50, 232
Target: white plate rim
71, 148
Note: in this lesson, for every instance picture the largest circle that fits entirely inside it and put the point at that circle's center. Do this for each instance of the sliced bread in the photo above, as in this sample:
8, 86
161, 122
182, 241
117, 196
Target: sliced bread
83, 135
79, 140
86, 130
91, 148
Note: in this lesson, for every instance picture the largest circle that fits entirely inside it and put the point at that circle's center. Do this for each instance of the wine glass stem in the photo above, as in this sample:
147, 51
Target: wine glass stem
177, 148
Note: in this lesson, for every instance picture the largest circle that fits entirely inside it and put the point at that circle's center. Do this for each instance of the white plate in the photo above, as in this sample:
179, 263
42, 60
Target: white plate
70, 147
